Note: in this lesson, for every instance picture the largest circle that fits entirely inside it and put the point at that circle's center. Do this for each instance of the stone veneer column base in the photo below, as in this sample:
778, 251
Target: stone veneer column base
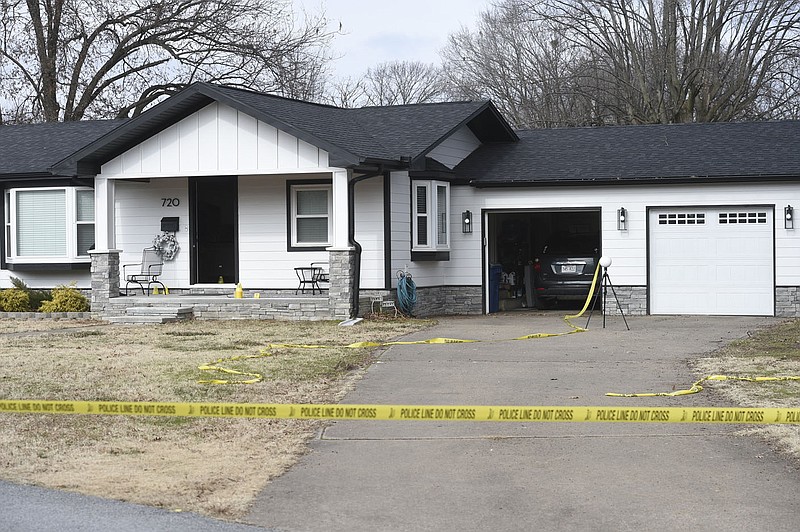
105, 278
787, 301
342, 279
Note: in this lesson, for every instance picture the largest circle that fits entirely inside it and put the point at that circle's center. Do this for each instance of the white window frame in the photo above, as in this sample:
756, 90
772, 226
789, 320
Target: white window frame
431, 221
71, 233
294, 189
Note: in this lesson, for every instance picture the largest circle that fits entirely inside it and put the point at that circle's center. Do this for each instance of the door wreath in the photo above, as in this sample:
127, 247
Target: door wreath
166, 245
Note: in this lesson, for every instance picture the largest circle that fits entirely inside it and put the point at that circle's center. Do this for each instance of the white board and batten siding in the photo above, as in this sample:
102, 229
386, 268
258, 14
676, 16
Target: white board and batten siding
217, 140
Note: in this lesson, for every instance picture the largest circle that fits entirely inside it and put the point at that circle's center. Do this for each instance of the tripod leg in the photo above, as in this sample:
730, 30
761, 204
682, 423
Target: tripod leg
594, 303
618, 305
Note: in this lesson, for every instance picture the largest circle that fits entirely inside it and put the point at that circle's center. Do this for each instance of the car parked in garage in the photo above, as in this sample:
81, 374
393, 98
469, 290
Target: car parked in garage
565, 268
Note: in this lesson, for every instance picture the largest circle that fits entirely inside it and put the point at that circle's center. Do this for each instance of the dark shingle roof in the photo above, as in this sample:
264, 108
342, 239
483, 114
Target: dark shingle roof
351, 136
368, 132
31, 149
641, 153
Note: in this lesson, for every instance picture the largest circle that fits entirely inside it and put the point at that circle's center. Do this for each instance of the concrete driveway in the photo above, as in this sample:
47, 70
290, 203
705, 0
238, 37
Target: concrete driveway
432, 475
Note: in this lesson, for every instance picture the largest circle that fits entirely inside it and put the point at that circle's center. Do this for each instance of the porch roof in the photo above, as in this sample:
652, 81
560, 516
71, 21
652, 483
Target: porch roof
400, 135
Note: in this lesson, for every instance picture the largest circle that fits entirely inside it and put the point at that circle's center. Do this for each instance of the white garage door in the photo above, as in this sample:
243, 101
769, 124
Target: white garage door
712, 261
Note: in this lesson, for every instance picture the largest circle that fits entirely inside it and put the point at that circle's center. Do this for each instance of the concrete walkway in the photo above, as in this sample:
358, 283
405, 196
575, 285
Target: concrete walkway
431, 475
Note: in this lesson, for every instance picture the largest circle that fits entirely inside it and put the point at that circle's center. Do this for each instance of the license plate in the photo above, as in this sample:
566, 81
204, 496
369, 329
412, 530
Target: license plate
569, 268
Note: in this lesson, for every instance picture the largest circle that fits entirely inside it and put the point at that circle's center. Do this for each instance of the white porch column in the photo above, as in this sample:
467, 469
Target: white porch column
341, 240
104, 231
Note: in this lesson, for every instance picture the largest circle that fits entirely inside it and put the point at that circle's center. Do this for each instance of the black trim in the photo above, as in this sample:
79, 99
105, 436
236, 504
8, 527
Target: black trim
289, 184
45, 267
427, 256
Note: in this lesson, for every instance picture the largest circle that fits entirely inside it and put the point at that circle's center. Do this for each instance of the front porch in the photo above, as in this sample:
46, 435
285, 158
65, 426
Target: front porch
174, 307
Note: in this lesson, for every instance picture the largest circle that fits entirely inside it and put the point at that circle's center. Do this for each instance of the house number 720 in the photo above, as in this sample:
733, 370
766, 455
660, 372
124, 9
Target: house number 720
170, 202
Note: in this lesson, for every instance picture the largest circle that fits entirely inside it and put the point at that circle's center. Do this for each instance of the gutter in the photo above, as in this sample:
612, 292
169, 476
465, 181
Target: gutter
351, 235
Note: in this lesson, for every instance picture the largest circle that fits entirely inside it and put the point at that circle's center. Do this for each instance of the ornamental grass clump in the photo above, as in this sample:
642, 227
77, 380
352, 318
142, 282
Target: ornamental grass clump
66, 299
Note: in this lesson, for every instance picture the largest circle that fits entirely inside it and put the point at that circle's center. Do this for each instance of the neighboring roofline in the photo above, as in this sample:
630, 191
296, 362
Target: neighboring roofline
173, 109
418, 162
721, 179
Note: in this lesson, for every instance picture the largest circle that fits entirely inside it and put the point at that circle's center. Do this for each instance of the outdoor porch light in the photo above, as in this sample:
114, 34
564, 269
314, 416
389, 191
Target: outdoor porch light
466, 222
788, 217
622, 219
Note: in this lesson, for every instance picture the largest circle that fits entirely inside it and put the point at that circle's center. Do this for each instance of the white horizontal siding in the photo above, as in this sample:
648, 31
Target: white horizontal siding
370, 231
217, 140
264, 261
138, 210
628, 249
455, 148
400, 212
46, 279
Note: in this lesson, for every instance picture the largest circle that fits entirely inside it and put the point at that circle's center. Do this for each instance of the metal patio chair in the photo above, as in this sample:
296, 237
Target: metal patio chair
144, 273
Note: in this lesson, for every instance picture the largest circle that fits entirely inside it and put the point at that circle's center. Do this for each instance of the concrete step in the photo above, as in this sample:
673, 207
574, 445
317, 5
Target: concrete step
140, 319
180, 312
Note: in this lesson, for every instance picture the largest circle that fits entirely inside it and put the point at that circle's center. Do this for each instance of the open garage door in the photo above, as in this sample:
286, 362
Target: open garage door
517, 238
716, 260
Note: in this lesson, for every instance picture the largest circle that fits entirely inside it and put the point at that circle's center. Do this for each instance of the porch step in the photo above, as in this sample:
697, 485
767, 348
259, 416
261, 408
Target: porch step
134, 315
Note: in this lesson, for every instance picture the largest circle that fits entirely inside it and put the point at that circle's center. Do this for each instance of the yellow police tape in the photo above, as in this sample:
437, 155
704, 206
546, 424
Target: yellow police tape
257, 377
697, 386
371, 412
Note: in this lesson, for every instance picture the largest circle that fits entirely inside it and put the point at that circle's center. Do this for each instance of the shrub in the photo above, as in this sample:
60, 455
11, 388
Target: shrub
14, 300
66, 299
35, 297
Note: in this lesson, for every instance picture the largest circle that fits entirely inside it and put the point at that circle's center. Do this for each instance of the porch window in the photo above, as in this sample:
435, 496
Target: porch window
311, 209
431, 207
49, 225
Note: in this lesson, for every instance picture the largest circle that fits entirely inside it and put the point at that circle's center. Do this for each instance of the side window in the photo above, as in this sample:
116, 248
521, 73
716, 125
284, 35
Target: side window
430, 211
310, 215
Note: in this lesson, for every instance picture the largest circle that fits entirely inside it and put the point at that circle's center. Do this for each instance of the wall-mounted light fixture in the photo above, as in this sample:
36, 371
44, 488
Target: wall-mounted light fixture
788, 217
622, 219
466, 222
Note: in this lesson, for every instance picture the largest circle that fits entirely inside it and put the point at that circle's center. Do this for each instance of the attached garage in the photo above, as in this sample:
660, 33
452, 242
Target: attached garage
712, 260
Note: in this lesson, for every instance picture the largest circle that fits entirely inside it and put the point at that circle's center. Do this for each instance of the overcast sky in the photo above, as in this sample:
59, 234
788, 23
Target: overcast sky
377, 31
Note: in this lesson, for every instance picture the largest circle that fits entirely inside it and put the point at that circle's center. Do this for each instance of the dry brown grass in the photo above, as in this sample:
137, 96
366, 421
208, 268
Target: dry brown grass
212, 466
770, 352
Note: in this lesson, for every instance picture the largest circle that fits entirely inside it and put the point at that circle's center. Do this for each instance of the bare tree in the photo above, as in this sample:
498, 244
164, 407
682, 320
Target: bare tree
347, 92
524, 65
402, 82
683, 60
73, 59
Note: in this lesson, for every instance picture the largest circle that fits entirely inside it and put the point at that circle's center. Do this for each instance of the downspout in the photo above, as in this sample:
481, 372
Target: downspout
351, 236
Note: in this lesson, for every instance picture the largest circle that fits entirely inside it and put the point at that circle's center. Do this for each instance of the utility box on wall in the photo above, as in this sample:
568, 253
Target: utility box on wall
170, 224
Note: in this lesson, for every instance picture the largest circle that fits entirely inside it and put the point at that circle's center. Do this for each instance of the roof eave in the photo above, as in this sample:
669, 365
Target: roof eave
671, 180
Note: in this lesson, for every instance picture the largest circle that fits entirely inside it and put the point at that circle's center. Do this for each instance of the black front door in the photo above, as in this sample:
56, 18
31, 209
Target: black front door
213, 203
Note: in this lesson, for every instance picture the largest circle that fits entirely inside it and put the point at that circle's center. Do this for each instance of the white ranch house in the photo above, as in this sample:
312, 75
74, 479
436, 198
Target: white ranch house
698, 218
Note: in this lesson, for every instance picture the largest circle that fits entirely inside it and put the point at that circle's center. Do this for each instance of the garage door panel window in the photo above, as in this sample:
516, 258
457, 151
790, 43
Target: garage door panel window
742, 218
431, 210
682, 218
49, 224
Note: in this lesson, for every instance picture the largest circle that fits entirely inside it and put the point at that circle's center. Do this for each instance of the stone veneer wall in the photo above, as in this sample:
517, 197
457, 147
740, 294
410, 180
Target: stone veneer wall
787, 301
104, 278
632, 299
448, 300
340, 293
